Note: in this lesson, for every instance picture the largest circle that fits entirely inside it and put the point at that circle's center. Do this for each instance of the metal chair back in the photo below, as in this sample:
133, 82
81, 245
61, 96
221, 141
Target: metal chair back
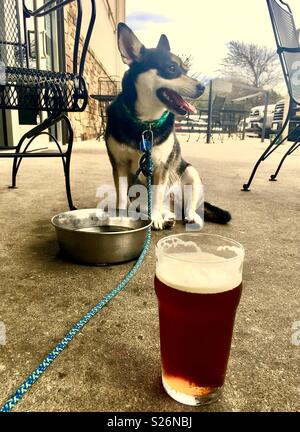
31, 89
218, 103
288, 47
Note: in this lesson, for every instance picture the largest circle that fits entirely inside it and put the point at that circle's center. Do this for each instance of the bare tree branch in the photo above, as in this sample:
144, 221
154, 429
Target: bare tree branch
252, 64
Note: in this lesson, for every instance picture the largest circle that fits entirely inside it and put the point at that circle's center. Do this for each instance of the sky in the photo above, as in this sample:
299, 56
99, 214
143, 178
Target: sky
202, 28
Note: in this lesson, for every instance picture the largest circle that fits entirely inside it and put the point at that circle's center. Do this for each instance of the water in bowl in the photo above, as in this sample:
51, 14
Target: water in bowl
105, 229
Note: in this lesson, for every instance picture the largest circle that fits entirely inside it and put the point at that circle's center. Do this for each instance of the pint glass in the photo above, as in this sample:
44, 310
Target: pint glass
198, 284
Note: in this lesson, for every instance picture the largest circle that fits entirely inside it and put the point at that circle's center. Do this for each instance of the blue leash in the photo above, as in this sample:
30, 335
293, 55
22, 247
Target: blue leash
146, 167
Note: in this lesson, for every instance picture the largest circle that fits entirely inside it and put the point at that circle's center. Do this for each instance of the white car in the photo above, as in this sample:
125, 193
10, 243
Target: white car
256, 120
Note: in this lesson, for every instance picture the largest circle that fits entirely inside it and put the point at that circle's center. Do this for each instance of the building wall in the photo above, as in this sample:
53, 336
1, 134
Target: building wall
103, 59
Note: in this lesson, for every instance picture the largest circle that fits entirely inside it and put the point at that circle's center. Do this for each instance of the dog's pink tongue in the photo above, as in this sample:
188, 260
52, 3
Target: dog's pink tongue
189, 108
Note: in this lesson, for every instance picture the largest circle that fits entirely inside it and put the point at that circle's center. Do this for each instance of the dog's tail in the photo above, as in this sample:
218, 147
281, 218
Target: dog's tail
215, 214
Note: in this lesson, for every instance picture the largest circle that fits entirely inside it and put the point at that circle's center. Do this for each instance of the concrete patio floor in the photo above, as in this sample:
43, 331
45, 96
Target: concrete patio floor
114, 364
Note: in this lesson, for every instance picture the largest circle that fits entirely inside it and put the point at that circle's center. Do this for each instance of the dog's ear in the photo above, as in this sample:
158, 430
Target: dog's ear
129, 45
164, 43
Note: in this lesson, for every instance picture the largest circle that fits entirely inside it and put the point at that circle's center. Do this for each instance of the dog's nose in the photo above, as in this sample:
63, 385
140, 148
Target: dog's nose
200, 89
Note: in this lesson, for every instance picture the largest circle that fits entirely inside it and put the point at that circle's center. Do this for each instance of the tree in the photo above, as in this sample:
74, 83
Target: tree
251, 64
187, 60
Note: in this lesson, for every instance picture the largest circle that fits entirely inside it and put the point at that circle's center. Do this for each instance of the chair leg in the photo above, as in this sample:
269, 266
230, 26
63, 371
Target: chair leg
68, 186
199, 136
16, 164
189, 136
31, 135
266, 153
66, 157
14, 174
272, 147
68, 162
294, 147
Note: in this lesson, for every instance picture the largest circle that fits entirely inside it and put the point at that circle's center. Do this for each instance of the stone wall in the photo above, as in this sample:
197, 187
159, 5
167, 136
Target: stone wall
86, 124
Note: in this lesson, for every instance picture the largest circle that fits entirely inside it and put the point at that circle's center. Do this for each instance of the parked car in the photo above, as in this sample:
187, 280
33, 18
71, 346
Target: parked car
247, 125
278, 116
257, 115
278, 119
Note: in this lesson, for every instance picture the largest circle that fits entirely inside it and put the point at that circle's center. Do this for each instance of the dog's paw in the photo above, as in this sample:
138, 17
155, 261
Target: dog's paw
157, 222
164, 221
193, 218
169, 220
101, 214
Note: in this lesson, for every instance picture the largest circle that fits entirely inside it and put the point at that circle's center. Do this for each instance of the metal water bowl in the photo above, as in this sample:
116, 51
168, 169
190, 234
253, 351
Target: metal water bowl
89, 237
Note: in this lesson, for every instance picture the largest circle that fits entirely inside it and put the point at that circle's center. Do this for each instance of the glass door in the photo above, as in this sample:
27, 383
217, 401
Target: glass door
43, 54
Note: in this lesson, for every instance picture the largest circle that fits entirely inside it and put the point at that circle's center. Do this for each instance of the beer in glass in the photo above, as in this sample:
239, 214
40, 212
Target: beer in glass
198, 284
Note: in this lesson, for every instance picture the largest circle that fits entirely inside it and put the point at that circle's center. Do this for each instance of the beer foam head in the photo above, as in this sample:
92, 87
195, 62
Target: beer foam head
199, 263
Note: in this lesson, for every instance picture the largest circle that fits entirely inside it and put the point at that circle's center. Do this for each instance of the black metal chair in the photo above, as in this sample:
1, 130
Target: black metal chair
216, 116
288, 49
108, 90
56, 93
232, 115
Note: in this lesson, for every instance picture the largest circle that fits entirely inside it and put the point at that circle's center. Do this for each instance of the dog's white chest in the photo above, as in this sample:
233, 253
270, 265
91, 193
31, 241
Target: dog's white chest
161, 153
123, 154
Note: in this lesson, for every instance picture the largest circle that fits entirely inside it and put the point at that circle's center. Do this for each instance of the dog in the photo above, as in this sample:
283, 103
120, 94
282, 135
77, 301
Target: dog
152, 95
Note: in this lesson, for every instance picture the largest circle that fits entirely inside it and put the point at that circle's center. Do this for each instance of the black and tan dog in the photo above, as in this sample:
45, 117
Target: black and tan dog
152, 93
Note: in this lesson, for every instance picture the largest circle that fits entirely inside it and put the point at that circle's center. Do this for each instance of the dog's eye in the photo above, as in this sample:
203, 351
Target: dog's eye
172, 68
